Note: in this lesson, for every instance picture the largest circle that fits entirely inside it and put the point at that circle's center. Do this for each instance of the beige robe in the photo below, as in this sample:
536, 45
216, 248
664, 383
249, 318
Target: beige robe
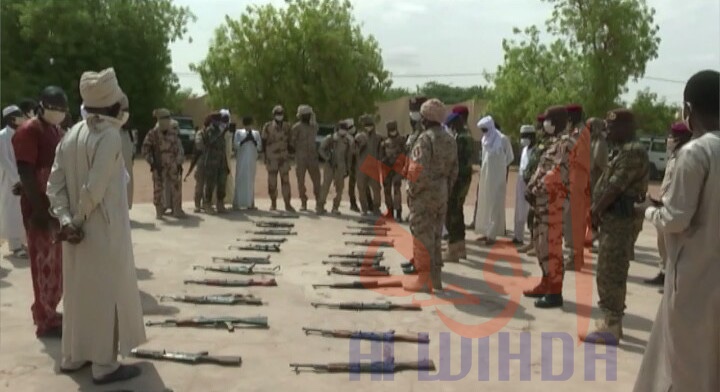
683, 353
87, 186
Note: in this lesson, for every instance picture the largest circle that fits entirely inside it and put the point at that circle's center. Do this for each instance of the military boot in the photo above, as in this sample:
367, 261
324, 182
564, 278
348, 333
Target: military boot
452, 255
539, 291
353, 206
221, 208
273, 205
320, 210
436, 278
289, 207
607, 332
549, 301
159, 212
303, 206
179, 214
399, 215
462, 251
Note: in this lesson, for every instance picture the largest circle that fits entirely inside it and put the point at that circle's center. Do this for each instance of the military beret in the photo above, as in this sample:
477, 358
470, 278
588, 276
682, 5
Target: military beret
461, 109
574, 108
540, 117
161, 113
620, 116
391, 125
680, 128
367, 119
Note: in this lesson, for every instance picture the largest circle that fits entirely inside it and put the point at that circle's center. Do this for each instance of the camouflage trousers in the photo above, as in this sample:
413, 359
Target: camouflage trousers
548, 240
167, 185
365, 185
392, 185
426, 225
282, 168
617, 235
199, 187
215, 184
332, 176
312, 167
352, 180
455, 219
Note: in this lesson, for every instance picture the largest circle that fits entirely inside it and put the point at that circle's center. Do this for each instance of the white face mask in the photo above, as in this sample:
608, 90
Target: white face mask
415, 116
548, 127
671, 144
54, 117
352, 130
222, 126
524, 142
369, 128
392, 133
279, 117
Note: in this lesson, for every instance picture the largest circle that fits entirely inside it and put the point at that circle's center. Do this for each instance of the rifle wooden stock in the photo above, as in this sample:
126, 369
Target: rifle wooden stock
243, 260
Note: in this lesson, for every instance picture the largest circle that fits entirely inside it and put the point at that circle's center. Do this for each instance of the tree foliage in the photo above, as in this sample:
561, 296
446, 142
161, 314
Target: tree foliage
653, 115
52, 42
311, 52
447, 93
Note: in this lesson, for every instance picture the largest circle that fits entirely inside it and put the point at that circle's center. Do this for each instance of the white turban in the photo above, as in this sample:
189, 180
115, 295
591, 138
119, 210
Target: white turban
225, 112
100, 89
527, 129
433, 110
491, 140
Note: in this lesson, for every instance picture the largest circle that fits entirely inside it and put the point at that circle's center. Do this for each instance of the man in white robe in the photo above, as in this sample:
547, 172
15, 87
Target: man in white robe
247, 143
683, 352
87, 192
522, 207
11, 222
490, 216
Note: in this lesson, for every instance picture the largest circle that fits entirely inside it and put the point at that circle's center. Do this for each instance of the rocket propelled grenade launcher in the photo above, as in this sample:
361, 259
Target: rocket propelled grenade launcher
191, 358
233, 283
243, 260
240, 269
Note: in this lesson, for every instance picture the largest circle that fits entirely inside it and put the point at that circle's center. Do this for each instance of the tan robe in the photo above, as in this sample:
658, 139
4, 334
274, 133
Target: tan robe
683, 353
87, 186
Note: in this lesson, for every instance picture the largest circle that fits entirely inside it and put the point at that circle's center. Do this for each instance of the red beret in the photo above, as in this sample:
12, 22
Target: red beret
680, 128
461, 109
540, 117
574, 108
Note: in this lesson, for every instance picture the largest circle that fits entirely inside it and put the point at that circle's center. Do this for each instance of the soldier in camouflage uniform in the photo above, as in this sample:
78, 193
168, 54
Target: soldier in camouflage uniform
276, 142
161, 150
416, 129
214, 163
547, 190
624, 183
540, 146
352, 180
393, 157
432, 172
336, 153
367, 143
302, 140
199, 173
455, 219
169, 186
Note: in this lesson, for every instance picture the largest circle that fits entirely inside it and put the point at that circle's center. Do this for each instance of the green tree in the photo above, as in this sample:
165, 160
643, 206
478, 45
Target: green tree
311, 52
393, 93
452, 94
48, 42
652, 114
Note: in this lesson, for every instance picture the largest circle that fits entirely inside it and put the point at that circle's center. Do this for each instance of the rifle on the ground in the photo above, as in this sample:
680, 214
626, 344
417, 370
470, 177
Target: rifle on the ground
366, 306
359, 255
265, 240
274, 248
389, 336
353, 263
370, 284
243, 260
377, 270
284, 216
213, 322
381, 367
272, 232
371, 222
274, 224
240, 269
366, 233
219, 299
193, 358
369, 228
377, 243
233, 283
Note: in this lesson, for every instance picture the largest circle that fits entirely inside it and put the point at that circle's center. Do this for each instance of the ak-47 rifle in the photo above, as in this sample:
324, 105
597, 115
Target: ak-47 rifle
240, 269
371, 222
282, 215
366, 306
377, 270
275, 248
233, 283
353, 263
380, 367
274, 224
359, 255
265, 240
389, 336
243, 260
219, 299
192, 358
370, 284
376, 243
366, 233
196, 159
213, 322
369, 228
272, 232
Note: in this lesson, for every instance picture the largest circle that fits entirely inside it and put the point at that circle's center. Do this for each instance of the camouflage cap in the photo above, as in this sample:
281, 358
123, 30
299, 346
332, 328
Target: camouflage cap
367, 119
433, 110
304, 109
278, 109
416, 102
161, 113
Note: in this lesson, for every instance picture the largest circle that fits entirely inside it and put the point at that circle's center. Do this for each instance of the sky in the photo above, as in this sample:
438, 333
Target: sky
433, 38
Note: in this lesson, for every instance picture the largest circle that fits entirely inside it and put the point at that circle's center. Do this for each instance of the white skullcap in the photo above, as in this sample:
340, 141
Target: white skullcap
11, 109
100, 89
527, 129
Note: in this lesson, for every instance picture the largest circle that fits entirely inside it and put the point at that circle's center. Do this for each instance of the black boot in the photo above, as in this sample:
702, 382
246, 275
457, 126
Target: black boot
656, 281
398, 215
549, 301
354, 206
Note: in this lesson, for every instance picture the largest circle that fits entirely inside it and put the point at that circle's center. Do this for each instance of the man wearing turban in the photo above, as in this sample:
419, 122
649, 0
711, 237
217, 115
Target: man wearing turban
88, 196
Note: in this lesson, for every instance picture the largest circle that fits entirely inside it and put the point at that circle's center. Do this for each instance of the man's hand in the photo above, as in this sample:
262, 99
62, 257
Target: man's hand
40, 220
71, 234
17, 189
640, 208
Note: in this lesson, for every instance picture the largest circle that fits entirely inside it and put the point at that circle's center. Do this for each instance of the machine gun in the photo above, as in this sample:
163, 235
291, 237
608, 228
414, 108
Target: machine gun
381, 367
274, 248
389, 336
241, 270
358, 306
214, 322
370, 284
375, 243
272, 232
275, 224
192, 358
219, 299
243, 260
353, 263
359, 255
373, 271
265, 240
233, 283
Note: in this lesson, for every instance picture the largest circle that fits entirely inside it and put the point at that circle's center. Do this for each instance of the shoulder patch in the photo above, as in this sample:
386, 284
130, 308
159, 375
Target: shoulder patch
416, 152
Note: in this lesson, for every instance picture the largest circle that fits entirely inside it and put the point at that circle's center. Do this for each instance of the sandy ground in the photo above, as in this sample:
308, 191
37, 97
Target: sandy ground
487, 302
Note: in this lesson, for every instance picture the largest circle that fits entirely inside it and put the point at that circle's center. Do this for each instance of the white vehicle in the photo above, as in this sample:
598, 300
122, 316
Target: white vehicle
657, 154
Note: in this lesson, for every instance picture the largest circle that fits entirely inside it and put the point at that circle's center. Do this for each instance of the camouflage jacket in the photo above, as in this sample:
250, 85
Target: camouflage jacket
465, 151
433, 165
629, 170
392, 149
211, 144
276, 140
302, 139
336, 151
367, 144
552, 177
162, 148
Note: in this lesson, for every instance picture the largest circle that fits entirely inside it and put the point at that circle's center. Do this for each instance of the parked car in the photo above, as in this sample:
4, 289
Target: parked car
657, 154
187, 133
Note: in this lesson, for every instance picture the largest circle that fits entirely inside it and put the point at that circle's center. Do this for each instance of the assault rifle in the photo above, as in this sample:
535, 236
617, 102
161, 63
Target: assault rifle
274, 248
272, 232
371, 222
193, 358
382, 367
369, 228
265, 240
359, 255
214, 322
220, 299
243, 260
366, 306
233, 283
366, 233
370, 284
389, 336
274, 224
376, 271
281, 215
353, 263
241, 269
377, 243
196, 159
